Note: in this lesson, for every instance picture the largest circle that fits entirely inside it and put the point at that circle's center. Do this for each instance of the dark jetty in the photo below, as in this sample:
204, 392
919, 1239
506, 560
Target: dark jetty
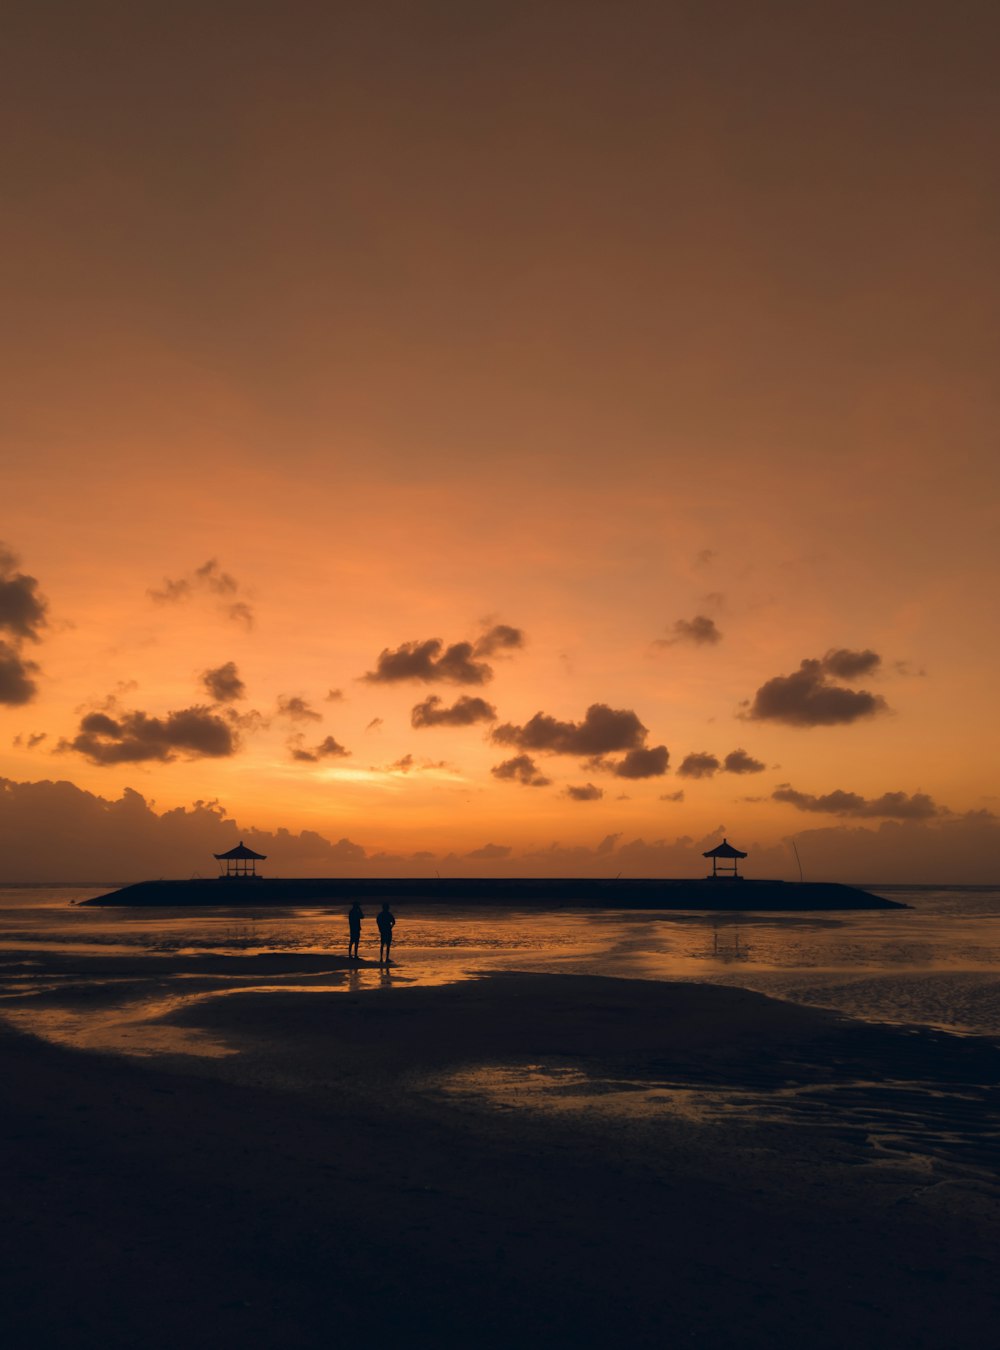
712, 893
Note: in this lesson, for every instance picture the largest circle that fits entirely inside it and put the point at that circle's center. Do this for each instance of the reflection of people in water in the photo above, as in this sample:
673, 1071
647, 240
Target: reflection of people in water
386, 921
354, 917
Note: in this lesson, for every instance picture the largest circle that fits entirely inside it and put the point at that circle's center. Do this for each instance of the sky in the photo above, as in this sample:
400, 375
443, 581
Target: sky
500, 439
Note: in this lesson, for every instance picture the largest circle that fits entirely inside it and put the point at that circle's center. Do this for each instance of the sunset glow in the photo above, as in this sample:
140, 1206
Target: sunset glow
633, 367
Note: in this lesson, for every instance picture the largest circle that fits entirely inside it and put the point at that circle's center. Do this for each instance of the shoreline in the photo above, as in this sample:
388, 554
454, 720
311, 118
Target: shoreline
709, 893
335, 1175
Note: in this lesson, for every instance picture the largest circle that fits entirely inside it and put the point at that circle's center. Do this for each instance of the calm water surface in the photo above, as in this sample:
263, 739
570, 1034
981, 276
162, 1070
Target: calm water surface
95, 976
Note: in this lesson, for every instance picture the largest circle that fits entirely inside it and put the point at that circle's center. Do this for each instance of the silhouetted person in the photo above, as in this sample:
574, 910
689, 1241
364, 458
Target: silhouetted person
354, 917
386, 921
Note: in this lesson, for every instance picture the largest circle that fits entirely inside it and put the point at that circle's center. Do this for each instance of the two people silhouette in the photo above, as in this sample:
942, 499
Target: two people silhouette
386, 921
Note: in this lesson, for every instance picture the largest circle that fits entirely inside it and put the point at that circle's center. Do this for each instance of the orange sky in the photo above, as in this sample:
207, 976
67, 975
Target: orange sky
597, 322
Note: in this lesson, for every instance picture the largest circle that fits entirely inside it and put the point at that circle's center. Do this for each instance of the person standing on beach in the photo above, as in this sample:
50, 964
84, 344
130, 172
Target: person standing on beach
386, 921
354, 916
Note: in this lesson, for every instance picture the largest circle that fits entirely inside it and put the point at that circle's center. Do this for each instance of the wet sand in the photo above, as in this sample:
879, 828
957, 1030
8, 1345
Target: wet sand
526, 1159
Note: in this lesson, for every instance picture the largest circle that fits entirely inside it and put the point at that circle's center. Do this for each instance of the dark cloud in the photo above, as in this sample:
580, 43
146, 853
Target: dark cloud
738, 761
36, 738
501, 637
22, 609
334, 696
375, 724
845, 664
135, 737
327, 749
16, 683
490, 852
890, 806
602, 731
208, 579
464, 712
808, 699
700, 630
643, 763
521, 769
586, 793
296, 709
223, 683
677, 796
427, 661
699, 765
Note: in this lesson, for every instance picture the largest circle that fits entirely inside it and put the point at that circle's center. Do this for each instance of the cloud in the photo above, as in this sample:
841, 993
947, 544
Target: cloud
296, 709
22, 610
677, 796
16, 683
700, 630
30, 741
845, 664
334, 696
135, 737
521, 769
643, 762
698, 765
891, 805
223, 683
490, 852
602, 731
208, 579
464, 712
501, 637
586, 793
808, 699
327, 749
738, 761
375, 724
607, 845
427, 661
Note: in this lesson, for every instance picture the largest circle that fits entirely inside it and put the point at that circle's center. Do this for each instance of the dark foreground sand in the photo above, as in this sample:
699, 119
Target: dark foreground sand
330, 1184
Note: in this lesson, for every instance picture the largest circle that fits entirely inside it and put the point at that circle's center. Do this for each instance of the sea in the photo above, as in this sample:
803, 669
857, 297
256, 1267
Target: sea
103, 978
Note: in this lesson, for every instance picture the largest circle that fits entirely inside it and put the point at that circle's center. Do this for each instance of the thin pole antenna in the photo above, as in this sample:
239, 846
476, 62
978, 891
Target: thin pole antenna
797, 859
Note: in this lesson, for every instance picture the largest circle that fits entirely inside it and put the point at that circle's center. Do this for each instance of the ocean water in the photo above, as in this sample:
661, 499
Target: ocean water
103, 977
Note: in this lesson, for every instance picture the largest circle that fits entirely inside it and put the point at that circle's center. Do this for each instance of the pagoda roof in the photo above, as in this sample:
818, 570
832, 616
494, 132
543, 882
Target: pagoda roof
240, 851
724, 850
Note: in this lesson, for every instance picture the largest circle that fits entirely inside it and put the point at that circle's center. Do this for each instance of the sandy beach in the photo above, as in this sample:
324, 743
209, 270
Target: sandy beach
524, 1159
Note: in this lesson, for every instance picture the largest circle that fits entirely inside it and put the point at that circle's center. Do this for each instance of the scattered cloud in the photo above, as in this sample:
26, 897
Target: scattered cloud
376, 724
22, 610
334, 696
643, 762
808, 699
699, 765
607, 845
845, 664
31, 741
705, 556
464, 712
677, 796
907, 668
700, 630
297, 709
586, 793
602, 731
327, 749
738, 761
521, 769
208, 579
17, 684
890, 806
135, 737
223, 683
500, 638
490, 852
430, 662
